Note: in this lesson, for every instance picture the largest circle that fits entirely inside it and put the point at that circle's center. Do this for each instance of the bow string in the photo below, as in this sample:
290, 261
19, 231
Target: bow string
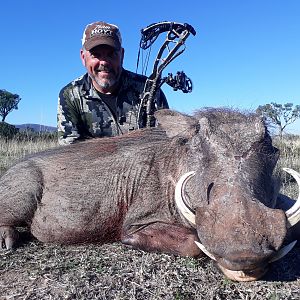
173, 46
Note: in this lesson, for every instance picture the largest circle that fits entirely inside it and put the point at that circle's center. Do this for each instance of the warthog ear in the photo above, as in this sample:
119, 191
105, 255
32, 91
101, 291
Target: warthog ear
175, 123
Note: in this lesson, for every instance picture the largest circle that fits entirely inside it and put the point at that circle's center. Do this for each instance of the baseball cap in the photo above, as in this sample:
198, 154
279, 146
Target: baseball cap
101, 33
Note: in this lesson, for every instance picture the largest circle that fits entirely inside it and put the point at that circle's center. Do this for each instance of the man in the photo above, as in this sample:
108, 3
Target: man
104, 101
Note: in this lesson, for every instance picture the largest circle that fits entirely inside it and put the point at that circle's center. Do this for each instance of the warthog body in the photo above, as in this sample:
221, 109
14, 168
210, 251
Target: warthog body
123, 188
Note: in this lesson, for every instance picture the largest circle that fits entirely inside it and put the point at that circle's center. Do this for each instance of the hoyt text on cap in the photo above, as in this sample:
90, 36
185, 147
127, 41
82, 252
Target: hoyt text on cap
101, 33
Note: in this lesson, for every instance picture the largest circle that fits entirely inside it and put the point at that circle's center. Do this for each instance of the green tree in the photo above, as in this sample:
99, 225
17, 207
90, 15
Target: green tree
8, 102
280, 115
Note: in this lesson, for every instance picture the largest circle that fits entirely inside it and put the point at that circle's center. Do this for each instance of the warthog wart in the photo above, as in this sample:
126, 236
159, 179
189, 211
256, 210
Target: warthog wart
204, 180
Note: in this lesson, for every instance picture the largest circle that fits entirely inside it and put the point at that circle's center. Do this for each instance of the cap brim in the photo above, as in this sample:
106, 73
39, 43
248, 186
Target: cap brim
90, 44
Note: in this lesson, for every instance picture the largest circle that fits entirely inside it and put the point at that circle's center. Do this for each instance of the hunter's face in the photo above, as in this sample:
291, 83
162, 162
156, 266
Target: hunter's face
104, 65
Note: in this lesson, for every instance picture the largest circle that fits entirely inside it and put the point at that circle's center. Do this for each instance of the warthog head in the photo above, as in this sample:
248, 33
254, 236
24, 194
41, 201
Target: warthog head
228, 193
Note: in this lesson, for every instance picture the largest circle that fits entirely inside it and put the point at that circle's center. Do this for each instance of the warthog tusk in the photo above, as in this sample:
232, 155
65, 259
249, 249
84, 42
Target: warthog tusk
205, 251
283, 251
293, 214
180, 198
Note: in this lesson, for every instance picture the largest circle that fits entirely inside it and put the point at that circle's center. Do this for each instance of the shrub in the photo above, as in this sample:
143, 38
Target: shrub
7, 131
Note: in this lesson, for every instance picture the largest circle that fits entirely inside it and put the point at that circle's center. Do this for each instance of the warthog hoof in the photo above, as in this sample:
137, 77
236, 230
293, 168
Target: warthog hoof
9, 236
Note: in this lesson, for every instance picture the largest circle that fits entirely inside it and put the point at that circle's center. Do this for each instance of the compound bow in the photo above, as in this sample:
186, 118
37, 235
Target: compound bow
177, 33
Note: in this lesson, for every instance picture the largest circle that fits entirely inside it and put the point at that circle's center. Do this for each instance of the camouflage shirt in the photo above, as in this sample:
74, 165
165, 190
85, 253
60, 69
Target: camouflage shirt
84, 113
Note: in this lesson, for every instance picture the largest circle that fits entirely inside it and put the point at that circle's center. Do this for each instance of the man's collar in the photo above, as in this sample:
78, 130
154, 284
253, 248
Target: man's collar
87, 86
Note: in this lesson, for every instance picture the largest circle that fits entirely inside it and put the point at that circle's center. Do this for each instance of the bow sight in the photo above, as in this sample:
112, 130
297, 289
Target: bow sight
177, 33
179, 82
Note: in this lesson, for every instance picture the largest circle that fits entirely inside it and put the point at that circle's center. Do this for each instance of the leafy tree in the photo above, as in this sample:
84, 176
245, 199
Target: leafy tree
8, 102
280, 115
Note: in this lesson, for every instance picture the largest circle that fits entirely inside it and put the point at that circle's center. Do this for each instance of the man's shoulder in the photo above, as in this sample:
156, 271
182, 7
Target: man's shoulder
78, 83
134, 77
135, 83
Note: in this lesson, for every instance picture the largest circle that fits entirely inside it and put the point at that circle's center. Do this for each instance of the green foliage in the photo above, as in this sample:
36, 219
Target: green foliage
8, 102
30, 135
7, 131
281, 115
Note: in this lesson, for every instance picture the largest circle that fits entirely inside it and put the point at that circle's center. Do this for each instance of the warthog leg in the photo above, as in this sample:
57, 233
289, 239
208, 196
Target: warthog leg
9, 236
163, 237
21, 189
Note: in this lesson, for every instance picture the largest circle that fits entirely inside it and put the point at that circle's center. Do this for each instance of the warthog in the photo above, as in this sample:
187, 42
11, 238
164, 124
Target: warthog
205, 178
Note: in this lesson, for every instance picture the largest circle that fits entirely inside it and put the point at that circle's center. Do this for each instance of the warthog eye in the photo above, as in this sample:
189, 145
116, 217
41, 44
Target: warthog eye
210, 186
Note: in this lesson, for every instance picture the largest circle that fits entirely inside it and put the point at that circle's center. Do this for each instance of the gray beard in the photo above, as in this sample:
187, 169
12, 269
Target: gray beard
105, 84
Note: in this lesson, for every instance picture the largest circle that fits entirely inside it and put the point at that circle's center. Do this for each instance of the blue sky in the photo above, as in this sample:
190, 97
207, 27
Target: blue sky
245, 53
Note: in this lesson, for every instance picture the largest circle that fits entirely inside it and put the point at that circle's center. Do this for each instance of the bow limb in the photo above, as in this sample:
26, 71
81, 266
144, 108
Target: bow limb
177, 34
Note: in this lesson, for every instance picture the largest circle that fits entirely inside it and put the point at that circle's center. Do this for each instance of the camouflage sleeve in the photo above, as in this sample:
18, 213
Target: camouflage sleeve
67, 131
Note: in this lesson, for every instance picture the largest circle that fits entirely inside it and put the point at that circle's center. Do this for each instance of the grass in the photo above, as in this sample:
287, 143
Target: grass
17, 148
39, 271
112, 271
289, 148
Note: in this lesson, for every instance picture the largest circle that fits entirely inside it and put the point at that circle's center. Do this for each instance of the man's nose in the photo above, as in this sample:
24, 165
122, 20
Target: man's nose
104, 61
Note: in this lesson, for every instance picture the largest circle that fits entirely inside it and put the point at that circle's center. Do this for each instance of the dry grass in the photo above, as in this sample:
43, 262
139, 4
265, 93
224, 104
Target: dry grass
39, 271
15, 149
289, 157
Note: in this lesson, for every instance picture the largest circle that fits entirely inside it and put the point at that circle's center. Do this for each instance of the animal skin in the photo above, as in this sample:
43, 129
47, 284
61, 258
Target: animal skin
122, 189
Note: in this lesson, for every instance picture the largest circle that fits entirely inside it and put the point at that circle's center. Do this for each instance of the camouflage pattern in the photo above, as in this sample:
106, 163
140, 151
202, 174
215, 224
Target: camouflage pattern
84, 113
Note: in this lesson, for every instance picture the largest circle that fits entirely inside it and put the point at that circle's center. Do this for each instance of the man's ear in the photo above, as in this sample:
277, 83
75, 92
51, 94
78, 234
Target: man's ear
82, 56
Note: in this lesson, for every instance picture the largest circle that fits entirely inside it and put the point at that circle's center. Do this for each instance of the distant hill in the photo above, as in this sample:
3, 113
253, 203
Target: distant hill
36, 127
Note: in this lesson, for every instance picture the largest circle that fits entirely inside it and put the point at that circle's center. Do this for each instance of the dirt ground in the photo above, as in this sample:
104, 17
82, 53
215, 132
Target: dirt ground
113, 271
